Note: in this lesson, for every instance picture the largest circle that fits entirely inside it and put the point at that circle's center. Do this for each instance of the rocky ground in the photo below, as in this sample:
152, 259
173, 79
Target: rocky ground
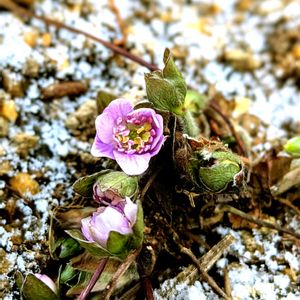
247, 50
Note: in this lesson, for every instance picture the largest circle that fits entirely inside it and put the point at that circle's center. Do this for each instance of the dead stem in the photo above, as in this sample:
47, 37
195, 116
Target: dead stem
85, 293
121, 270
148, 288
23, 12
203, 273
288, 204
235, 211
149, 183
227, 284
197, 239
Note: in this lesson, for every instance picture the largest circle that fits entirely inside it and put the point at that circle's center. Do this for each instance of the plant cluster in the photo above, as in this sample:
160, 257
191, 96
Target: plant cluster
157, 151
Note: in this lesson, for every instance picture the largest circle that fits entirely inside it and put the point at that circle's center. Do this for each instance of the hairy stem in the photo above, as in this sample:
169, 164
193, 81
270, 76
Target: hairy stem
190, 126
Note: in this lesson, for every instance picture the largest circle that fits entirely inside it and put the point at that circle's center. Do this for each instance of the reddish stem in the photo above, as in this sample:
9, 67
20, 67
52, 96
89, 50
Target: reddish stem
94, 279
10, 5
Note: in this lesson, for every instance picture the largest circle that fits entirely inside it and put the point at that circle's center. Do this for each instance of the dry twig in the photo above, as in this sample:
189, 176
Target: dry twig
61, 89
235, 211
203, 273
22, 12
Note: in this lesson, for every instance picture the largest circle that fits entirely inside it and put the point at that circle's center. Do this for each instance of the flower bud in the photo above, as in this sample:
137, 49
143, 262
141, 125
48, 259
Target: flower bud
166, 89
215, 170
47, 280
112, 227
113, 187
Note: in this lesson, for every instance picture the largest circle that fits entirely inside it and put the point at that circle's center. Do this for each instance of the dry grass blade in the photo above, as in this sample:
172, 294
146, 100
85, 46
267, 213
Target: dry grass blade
190, 274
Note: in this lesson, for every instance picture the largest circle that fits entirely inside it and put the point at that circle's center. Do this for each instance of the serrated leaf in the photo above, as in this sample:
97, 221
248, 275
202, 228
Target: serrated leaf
93, 248
34, 289
84, 185
166, 89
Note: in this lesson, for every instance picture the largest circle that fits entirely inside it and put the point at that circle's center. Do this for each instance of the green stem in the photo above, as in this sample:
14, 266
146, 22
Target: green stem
190, 126
94, 279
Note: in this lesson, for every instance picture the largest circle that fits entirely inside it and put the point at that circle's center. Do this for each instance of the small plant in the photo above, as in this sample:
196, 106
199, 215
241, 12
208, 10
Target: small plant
149, 151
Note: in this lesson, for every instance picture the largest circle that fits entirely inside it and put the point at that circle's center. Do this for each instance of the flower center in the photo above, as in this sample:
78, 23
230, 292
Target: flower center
134, 134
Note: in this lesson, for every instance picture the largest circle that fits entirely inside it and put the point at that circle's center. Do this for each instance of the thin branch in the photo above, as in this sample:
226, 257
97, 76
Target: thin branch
85, 293
235, 211
121, 270
288, 204
23, 12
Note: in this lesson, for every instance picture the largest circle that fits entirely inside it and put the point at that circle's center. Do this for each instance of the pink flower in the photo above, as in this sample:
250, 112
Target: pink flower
47, 280
129, 136
120, 218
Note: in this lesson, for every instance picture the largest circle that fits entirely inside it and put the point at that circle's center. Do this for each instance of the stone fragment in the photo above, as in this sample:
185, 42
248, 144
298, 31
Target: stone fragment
83, 115
242, 60
23, 184
8, 110
25, 142
3, 127
13, 83
31, 68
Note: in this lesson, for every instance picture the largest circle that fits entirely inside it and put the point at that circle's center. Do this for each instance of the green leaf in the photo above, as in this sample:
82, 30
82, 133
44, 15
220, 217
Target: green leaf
138, 228
292, 146
195, 102
117, 244
93, 248
110, 269
34, 289
67, 274
69, 247
84, 185
19, 280
103, 99
166, 89
225, 167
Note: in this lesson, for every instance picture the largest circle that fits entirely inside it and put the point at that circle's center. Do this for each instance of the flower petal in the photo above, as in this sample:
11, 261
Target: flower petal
156, 148
104, 126
132, 164
85, 228
119, 108
130, 211
100, 149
